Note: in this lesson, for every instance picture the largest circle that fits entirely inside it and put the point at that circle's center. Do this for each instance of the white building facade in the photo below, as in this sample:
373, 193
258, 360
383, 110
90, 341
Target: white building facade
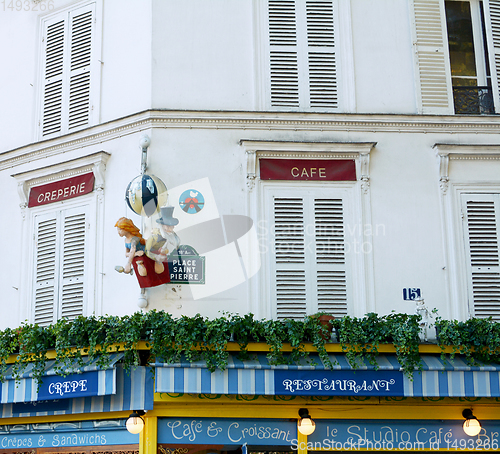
347, 152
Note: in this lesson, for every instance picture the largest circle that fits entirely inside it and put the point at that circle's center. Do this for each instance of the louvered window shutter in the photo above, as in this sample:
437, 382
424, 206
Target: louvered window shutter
322, 55
60, 254
481, 231
310, 266
66, 103
492, 13
72, 295
283, 53
46, 269
433, 66
290, 257
52, 103
79, 70
331, 276
303, 57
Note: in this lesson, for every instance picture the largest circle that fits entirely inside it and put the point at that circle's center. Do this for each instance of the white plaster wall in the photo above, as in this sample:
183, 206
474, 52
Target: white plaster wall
405, 207
203, 55
382, 50
126, 58
19, 32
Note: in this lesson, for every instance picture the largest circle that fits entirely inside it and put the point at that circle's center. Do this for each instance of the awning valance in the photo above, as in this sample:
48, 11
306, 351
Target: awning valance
133, 391
257, 377
79, 381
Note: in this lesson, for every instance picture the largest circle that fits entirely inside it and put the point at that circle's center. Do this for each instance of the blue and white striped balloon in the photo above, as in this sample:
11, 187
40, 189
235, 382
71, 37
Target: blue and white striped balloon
142, 194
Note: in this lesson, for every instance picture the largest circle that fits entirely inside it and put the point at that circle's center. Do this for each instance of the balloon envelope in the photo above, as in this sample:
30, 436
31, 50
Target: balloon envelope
142, 194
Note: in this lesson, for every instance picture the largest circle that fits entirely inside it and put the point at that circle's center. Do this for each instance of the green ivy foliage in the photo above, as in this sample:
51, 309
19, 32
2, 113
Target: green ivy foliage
168, 339
478, 339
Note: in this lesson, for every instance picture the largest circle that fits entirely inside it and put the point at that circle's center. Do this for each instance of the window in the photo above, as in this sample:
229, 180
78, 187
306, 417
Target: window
470, 70
60, 264
310, 250
481, 214
69, 79
312, 203
470, 196
303, 54
457, 48
62, 249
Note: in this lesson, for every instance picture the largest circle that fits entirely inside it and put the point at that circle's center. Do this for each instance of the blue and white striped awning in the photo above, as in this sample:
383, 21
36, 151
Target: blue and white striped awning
257, 377
133, 391
25, 388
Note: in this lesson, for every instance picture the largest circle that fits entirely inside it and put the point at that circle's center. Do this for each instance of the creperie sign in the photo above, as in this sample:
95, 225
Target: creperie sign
61, 190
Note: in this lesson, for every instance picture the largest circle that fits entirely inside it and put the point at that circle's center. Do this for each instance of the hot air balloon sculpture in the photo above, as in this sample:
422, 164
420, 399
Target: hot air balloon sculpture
142, 194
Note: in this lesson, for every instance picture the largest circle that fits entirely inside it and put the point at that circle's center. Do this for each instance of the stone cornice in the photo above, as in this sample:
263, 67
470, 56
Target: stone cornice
268, 121
448, 151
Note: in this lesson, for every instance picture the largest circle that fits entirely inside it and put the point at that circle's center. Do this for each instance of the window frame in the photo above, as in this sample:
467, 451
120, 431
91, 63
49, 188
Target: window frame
343, 56
453, 185
363, 299
94, 69
95, 163
87, 204
343, 190
434, 88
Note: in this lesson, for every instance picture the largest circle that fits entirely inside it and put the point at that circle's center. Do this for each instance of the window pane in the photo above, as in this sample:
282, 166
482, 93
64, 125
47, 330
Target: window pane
460, 41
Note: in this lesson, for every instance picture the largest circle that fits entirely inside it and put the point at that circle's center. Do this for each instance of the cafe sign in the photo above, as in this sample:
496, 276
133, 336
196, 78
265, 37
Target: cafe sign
308, 169
60, 190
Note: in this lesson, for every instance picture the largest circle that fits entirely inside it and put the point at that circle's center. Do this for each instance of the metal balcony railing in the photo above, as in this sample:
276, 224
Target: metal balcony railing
473, 100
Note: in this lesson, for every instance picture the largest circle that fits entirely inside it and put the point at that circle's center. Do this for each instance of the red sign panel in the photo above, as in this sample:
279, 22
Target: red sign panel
61, 190
308, 169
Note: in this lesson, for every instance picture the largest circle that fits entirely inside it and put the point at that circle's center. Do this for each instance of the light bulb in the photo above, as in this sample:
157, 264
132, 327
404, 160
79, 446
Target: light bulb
306, 426
135, 424
472, 427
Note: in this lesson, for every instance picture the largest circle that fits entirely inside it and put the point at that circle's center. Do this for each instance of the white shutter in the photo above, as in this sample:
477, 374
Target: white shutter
481, 231
283, 53
60, 265
303, 57
80, 62
309, 269
492, 22
74, 232
330, 256
322, 61
432, 60
53, 79
46, 269
290, 257
68, 47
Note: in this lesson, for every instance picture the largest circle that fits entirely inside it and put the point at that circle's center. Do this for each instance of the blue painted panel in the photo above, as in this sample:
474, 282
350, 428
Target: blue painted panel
70, 386
220, 431
67, 439
338, 383
413, 435
28, 407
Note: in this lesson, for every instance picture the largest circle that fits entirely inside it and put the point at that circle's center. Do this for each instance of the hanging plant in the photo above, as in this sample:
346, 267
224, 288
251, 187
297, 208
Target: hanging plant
360, 339
478, 339
168, 339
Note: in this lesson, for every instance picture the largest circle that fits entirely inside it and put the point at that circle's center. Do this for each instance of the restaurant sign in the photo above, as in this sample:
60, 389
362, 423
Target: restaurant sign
338, 383
61, 190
